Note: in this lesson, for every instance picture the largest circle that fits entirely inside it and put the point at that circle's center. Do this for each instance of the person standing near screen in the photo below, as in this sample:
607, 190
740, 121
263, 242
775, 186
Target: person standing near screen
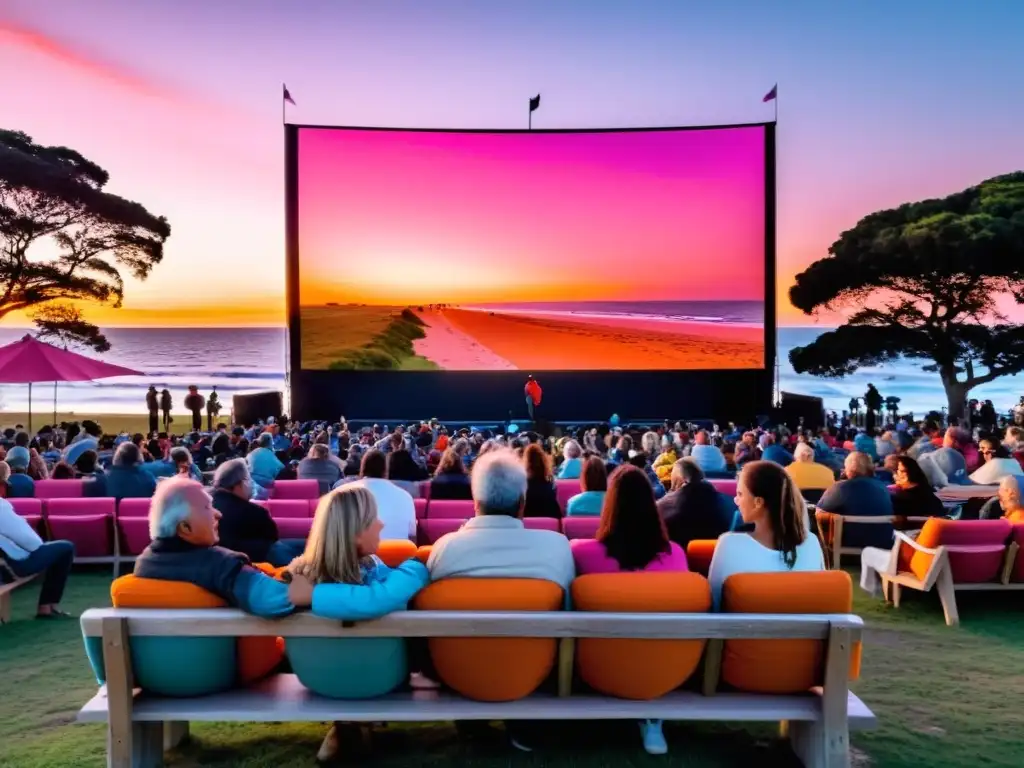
533, 394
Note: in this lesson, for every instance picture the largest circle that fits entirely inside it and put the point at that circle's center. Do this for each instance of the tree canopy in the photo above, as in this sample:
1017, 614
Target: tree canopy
55, 194
924, 281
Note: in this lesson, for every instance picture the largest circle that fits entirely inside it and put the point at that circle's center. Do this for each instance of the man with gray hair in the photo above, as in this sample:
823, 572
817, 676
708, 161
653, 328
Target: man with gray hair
319, 465
495, 543
184, 526
246, 527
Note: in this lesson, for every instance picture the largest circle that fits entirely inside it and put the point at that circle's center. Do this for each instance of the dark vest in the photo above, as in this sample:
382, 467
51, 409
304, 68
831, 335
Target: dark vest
211, 568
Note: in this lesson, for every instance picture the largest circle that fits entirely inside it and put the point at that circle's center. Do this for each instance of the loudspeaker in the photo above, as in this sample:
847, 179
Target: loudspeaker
248, 409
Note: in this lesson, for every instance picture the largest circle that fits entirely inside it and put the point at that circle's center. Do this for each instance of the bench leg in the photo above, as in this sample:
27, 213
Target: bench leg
147, 747
897, 592
947, 596
818, 746
5, 607
175, 732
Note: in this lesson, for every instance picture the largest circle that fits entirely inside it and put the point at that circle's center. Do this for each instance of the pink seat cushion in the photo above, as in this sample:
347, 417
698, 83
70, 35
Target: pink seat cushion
724, 485
295, 489
432, 529
59, 489
133, 508
293, 527
421, 508
91, 534
134, 534
425, 489
980, 565
565, 490
68, 507
450, 509
281, 508
27, 507
580, 527
542, 524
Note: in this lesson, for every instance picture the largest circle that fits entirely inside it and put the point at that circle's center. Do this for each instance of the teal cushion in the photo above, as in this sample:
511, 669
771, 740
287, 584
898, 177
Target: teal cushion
357, 668
175, 666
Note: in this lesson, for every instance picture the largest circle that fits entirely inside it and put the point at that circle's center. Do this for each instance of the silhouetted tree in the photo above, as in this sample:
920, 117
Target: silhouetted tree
924, 279
54, 194
64, 325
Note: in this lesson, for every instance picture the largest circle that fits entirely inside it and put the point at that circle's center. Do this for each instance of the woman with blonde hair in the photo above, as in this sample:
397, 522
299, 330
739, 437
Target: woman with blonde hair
340, 560
572, 466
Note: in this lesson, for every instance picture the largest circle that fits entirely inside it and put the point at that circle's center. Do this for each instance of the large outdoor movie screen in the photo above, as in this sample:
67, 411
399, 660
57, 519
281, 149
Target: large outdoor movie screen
531, 251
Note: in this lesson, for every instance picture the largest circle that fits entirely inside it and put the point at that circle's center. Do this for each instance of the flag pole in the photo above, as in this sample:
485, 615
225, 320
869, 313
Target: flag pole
284, 105
529, 115
776, 100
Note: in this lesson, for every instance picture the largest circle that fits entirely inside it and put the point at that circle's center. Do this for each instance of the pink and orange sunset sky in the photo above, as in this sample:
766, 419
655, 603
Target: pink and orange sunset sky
879, 104
400, 217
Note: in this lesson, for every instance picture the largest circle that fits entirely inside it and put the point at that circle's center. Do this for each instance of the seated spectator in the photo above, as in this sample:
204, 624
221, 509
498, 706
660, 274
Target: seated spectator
5, 475
451, 480
924, 442
708, 457
808, 474
37, 465
572, 465
772, 451
183, 526
541, 499
693, 509
19, 484
1007, 503
746, 450
86, 465
495, 543
126, 478
264, 466
631, 537
593, 484
319, 465
246, 527
997, 464
950, 459
23, 553
86, 440
865, 443
912, 494
62, 471
780, 542
395, 506
402, 468
886, 472
886, 444
346, 579
860, 495
181, 459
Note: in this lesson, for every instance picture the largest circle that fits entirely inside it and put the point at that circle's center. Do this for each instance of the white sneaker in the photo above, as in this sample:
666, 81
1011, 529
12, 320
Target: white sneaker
330, 747
420, 682
654, 739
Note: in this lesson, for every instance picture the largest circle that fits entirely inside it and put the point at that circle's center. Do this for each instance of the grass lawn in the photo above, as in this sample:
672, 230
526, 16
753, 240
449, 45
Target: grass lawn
944, 697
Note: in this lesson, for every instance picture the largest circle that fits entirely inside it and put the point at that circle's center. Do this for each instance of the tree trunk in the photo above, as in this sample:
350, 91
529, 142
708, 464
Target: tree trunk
956, 397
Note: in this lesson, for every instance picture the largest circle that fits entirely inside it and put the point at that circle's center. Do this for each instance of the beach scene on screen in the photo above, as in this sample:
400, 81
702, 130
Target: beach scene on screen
629, 250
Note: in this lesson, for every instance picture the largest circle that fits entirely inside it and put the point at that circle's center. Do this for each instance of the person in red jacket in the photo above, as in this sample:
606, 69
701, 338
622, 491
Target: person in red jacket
533, 393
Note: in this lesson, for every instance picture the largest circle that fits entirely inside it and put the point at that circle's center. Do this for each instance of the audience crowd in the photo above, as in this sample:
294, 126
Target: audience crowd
649, 488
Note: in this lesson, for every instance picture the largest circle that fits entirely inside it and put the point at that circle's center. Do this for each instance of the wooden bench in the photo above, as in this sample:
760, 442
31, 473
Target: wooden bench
831, 540
141, 726
5, 593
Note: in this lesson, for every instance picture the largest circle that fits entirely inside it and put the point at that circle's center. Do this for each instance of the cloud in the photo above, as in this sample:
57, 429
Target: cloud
86, 62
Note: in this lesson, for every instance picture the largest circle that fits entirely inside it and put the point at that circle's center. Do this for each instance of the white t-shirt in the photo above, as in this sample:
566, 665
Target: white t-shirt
395, 508
994, 470
17, 539
742, 553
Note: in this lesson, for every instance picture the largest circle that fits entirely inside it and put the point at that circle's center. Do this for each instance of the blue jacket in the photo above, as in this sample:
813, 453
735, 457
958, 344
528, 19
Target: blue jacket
123, 483
570, 469
384, 591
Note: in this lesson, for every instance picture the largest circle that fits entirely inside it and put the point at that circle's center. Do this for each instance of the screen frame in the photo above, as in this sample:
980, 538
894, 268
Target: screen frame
300, 381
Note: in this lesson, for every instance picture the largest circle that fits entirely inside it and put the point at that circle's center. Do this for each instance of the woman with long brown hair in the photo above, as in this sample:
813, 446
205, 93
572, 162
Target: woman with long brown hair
451, 480
768, 498
541, 500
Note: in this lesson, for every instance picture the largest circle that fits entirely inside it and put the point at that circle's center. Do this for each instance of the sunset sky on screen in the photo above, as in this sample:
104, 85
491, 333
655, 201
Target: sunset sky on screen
397, 217
879, 104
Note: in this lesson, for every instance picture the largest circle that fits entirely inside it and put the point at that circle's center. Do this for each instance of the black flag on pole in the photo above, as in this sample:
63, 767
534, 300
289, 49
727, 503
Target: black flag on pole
534, 103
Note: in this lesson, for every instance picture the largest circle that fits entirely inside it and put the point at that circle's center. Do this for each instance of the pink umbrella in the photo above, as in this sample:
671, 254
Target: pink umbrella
30, 361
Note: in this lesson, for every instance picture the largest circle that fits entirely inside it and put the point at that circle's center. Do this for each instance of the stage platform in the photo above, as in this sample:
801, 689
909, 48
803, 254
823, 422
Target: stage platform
525, 425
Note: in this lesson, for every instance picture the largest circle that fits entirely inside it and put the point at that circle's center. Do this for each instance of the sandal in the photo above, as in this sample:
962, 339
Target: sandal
55, 613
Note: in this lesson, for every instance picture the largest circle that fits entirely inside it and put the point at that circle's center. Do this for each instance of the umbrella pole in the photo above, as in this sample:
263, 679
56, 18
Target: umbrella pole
30, 407
54, 404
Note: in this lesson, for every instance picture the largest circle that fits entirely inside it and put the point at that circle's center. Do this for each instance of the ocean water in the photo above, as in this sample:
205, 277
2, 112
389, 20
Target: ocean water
726, 312
238, 360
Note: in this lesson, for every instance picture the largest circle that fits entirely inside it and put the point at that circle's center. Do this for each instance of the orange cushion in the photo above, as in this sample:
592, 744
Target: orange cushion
394, 552
492, 668
257, 656
783, 666
639, 669
699, 553
267, 569
423, 553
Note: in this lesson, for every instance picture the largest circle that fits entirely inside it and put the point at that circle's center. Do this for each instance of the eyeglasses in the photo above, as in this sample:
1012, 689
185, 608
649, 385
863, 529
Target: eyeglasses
987, 451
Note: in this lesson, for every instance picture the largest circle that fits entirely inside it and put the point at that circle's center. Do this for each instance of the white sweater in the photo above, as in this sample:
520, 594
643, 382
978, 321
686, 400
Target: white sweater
742, 553
17, 539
